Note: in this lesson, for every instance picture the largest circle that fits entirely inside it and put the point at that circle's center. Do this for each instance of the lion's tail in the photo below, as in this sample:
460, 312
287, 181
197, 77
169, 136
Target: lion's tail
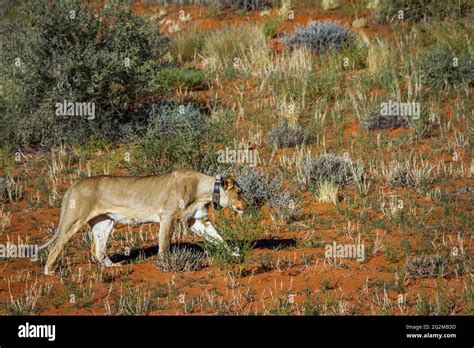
61, 221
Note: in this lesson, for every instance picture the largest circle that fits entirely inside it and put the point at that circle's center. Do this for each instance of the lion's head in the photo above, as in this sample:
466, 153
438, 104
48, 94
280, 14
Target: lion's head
232, 195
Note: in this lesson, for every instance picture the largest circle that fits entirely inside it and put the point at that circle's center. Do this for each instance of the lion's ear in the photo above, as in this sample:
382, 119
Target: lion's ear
228, 182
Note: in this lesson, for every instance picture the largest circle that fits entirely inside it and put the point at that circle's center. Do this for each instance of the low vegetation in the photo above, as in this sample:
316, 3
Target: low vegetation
297, 106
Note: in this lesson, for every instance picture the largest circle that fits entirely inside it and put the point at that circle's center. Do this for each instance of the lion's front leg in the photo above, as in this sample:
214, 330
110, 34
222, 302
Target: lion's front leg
164, 236
205, 229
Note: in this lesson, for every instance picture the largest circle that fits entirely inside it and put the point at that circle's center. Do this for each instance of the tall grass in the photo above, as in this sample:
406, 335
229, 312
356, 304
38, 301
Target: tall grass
239, 46
188, 44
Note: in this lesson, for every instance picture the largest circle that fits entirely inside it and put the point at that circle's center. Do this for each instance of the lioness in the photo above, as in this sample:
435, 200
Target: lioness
181, 195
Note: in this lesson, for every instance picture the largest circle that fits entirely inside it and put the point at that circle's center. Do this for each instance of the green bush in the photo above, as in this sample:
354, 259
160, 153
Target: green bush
169, 78
417, 10
444, 67
270, 28
159, 155
68, 51
241, 236
179, 136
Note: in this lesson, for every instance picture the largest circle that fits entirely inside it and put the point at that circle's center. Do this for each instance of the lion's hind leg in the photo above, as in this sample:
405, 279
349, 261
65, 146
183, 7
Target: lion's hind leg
101, 228
67, 230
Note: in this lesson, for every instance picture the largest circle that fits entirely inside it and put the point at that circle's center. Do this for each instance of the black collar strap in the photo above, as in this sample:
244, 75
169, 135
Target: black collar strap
216, 193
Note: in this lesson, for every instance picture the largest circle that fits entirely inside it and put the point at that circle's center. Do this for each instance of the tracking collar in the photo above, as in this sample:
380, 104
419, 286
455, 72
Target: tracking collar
216, 193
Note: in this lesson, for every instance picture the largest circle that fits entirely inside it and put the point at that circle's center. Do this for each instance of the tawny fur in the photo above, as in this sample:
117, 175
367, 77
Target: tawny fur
103, 200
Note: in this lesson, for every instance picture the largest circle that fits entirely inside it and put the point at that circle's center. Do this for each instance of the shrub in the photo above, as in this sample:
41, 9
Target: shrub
285, 135
443, 67
415, 10
162, 155
240, 236
286, 204
375, 121
248, 5
171, 119
319, 36
433, 266
257, 187
182, 260
260, 189
270, 28
102, 57
327, 167
177, 137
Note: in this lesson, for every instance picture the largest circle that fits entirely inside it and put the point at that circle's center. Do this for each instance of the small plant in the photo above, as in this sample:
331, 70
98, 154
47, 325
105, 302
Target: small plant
327, 167
433, 266
443, 67
134, 302
392, 253
259, 189
171, 119
170, 78
423, 305
270, 28
5, 219
413, 10
282, 305
182, 260
267, 263
411, 173
286, 135
375, 121
330, 4
327, 192
326, 284
239, 236
256, 186
187, 45
380, 58
11, 189
26, 303
248, 5
239, 47
319, 36
213, 10
286, 204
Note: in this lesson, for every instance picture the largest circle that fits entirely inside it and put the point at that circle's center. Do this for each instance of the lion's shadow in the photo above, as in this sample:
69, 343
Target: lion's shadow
151, 251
